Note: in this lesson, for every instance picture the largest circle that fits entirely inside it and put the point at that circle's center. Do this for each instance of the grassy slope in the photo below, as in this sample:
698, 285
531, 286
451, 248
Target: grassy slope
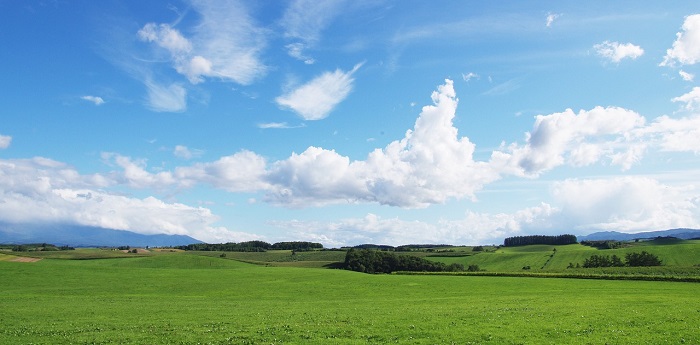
181, 298
673, 253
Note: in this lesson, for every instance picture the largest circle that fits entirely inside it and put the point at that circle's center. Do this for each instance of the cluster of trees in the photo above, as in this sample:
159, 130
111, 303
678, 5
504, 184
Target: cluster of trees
539, 239
252, 246
631, 259
606, 244
39, 247
375, 261
298, 246
403, 248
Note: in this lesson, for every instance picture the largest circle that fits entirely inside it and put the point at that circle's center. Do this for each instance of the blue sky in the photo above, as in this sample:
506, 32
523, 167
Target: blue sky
348, 122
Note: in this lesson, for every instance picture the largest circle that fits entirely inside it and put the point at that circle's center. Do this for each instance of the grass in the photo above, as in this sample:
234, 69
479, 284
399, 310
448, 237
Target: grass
179, 298
543, 258
285, 258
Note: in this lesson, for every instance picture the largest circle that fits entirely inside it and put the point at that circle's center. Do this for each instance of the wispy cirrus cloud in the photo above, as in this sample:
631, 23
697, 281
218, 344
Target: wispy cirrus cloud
225, 44
318, 97
165, 98
469, 76
551, 17
616, 52
686, 76
96, 100
278, 125
303, 21
184, 152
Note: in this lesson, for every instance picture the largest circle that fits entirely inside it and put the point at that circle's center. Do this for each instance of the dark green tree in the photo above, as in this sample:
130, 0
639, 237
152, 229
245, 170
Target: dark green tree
642, 259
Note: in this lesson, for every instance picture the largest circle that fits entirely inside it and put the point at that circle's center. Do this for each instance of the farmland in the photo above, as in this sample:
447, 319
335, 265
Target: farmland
189, 298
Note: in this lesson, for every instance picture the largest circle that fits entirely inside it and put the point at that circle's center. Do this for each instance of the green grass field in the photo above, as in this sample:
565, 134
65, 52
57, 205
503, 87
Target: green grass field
181, 298
543, 258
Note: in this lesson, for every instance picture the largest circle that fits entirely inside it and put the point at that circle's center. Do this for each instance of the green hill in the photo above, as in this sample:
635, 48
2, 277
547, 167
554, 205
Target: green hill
674, 253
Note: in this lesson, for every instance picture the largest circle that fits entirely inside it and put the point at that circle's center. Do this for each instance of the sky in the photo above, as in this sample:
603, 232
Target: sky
350, 122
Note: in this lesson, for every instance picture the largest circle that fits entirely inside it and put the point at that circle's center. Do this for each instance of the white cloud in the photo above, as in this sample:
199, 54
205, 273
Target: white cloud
686, 48
135, 175
278, 125
429, 165
686, 76
474, 228
5, 141
577, 139
317, 98
673, 135
41, 190
551, 17
166, 37
626, 204
296, 50
94, 99
224, 45
615, 51
241, 172
691, 99
469, 76
186, 153
304, 20
161, 98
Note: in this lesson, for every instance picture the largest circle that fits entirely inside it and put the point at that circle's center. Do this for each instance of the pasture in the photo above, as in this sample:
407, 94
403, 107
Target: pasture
684, 255
182, 298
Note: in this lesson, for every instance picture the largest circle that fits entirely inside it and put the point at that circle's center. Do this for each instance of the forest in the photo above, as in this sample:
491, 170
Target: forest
375, 261
252, 246
539, 239
642, 259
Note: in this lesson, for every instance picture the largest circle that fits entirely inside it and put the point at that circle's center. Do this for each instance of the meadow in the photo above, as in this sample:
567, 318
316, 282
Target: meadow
188, 298
681, 256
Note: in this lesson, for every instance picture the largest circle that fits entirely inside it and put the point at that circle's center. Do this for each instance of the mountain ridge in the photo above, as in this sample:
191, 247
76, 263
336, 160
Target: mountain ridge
682, 233
86, 236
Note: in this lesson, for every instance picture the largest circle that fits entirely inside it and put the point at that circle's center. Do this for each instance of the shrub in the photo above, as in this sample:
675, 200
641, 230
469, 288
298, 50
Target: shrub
473, 268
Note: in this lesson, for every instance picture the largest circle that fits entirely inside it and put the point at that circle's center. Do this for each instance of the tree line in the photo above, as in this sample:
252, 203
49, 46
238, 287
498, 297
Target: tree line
539, 239
402, 248
252, 246
31, 247
375, 261
641, 259
603, 244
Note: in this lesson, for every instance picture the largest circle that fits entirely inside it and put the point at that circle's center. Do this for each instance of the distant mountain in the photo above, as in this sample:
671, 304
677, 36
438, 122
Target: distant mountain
85, 236
619, 236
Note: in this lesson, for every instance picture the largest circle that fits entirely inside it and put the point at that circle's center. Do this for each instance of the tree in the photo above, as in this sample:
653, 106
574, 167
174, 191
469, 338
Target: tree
642, 259
602, 261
